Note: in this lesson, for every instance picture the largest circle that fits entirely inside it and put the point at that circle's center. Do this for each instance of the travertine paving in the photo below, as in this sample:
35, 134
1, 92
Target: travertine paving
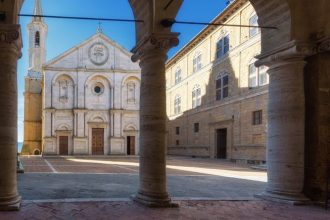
117, 178
207, 210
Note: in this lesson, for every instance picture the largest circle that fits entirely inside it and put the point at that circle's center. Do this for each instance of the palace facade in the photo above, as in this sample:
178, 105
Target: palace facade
216, 97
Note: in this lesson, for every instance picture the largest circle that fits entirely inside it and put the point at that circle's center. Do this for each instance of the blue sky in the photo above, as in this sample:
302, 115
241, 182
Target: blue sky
64, 34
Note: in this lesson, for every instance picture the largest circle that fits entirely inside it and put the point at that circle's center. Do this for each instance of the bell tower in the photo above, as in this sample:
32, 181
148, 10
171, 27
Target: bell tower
37, 31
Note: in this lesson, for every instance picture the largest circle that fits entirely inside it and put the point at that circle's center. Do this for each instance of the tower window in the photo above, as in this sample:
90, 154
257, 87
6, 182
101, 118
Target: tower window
37, 39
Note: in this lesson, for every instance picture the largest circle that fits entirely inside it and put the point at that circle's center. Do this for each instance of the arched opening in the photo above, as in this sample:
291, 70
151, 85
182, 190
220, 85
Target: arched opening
36, 152
37, 39
277, 50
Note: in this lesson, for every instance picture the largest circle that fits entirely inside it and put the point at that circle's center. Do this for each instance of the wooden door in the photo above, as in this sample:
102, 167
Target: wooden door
98, 141
222, 143
130, 145
64, 145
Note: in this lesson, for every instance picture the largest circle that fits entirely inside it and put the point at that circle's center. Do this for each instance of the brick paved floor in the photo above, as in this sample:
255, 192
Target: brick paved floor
208, 210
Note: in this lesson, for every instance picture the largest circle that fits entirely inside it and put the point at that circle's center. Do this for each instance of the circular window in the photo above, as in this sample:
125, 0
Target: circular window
98, 89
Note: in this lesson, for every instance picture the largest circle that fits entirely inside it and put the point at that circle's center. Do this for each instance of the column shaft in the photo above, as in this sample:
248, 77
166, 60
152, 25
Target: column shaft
286, 131
9, 53
152, 55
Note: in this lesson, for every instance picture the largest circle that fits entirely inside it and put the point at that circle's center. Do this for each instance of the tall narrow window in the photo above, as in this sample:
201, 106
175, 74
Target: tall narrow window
263, 75
131, 92
37, 39
223, 46
253, 78
177, 105
178, 75
197, 62
257, 117
196, 96
222, 86
257, 76
253, 22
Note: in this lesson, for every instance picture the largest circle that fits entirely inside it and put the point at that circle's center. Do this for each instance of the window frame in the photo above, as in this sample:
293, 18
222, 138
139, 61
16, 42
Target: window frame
197, 62
177, 105
259, 71
196, 96
178, 75
196, 127
257, 117
222, 87
177, 130
253, 21
221, 50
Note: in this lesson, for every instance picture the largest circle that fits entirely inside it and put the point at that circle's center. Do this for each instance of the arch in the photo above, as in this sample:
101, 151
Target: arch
130, 78
131, 127
97, 75
98, 118
36, 152
63, 127
63, 75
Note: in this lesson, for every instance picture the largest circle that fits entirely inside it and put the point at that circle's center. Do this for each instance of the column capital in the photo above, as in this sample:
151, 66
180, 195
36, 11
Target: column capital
288, 52
161, 42
10, 36
324, 45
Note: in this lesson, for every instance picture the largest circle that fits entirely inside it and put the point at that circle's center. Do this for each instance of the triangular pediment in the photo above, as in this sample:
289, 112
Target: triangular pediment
97, 52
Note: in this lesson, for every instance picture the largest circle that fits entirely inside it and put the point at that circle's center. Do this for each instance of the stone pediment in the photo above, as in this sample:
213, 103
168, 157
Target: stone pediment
97, 52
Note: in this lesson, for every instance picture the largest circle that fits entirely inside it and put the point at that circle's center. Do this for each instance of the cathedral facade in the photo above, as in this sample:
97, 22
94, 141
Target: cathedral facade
83, 102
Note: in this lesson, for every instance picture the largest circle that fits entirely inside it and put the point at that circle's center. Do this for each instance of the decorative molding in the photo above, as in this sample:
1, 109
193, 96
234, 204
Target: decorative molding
10, 35
324, 45
292, 50
161, 42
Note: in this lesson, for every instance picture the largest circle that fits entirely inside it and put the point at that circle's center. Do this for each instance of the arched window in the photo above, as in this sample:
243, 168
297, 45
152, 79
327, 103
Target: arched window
131, 92
197, 62
253, 21
37, 39
178, 74
196, 96
177, 104
257, 76
222, 46
222, 86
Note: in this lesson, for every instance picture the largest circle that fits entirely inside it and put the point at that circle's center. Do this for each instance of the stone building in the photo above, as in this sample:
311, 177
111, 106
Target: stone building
298, 60
83, 102
216, 97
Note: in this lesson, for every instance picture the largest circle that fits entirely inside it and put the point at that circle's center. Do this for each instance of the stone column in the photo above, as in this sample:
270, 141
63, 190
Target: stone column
10, 52
286, 127
152, 55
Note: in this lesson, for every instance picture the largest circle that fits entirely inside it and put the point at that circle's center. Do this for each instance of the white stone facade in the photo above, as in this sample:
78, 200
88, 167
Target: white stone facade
94, 85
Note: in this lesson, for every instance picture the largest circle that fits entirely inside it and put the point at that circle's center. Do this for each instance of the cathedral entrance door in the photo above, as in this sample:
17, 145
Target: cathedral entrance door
98, 141
130, 145
64, 145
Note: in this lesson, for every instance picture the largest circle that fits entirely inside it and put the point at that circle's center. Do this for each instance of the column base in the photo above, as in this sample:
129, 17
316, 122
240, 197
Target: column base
289, 198
10, 204
154, 201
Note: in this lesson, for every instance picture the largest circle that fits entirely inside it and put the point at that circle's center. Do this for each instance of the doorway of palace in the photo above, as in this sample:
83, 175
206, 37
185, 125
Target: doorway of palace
221, 143
98, 141
64, 145
130, 145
